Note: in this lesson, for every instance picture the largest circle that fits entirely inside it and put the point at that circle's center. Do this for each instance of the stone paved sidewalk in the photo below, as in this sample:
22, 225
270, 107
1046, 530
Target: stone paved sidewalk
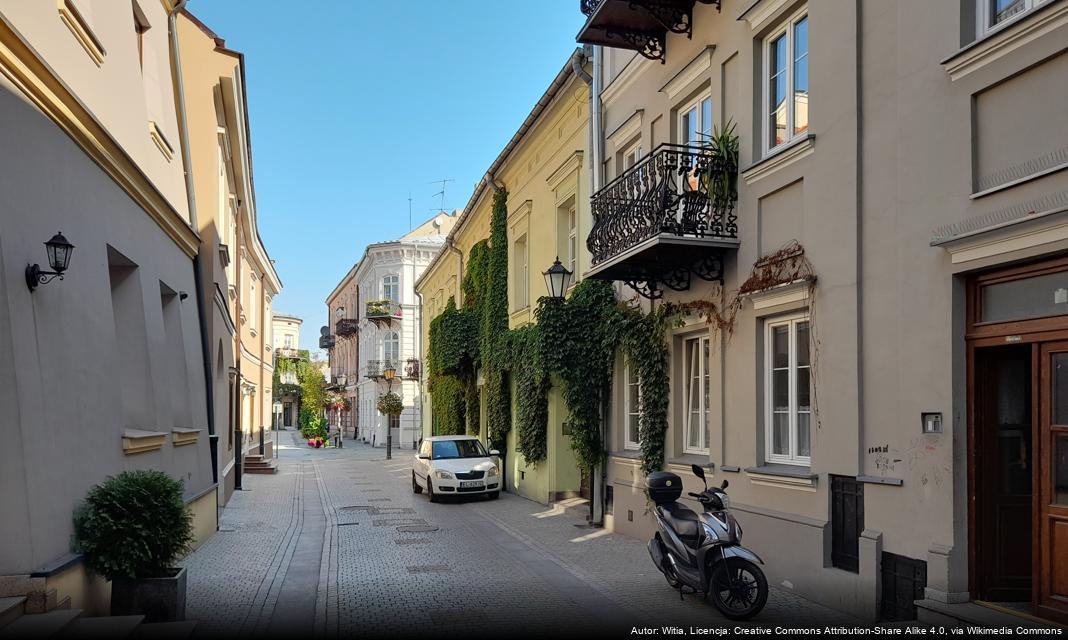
337, 544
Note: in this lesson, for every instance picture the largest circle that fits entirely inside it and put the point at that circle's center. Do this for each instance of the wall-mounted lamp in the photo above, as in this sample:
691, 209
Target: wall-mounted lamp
931, 422
58, 250
557, 279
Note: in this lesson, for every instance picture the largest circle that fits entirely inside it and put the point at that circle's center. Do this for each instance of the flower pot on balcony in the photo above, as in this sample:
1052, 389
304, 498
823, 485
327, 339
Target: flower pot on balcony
158, 599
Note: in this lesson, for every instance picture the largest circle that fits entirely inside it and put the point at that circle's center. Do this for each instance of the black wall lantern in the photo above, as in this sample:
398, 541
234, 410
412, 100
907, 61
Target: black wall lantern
58, 250
557, 279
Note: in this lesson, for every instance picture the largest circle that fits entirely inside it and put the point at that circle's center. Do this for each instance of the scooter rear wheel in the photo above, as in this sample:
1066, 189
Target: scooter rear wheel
738, 588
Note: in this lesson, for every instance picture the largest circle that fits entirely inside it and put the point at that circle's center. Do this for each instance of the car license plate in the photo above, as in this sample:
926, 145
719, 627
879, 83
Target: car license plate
465, 485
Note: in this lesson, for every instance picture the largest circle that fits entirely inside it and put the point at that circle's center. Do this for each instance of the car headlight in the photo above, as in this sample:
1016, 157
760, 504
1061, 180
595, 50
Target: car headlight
443, 475
493, 472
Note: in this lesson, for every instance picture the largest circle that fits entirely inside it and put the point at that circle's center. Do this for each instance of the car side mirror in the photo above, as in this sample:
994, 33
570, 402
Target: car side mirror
494, 452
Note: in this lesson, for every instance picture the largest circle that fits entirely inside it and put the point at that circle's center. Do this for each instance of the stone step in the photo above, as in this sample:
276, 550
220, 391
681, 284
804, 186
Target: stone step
166, 630
10, 609
264, 468
969, 613
252, 457
103, 627
41, 625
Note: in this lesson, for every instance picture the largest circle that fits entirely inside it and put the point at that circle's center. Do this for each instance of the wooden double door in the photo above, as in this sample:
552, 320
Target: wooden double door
1018, 456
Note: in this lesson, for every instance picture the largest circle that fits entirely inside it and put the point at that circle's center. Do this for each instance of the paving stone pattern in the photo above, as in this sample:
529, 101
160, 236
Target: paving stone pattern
337, 545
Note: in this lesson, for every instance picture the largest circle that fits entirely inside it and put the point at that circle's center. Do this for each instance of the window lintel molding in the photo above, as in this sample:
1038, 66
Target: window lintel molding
700, 64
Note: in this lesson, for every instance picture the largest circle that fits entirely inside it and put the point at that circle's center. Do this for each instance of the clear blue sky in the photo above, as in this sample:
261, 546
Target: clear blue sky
354, 103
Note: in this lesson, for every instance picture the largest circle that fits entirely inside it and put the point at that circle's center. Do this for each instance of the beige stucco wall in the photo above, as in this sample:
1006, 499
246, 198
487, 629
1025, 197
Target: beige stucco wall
891, 160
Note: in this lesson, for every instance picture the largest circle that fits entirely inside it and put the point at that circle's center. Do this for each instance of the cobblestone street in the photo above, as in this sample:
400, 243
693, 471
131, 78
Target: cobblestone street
337, 543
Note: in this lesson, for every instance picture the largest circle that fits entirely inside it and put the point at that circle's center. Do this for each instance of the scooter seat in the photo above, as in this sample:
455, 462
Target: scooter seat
683, 520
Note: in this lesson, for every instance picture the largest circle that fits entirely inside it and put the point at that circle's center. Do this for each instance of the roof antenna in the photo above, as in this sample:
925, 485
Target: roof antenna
443, 182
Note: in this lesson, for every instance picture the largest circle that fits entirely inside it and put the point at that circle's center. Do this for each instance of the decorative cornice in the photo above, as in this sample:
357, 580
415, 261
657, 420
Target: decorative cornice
20, 65
700, 64
624, 132
624, 79
564, 171
760, 12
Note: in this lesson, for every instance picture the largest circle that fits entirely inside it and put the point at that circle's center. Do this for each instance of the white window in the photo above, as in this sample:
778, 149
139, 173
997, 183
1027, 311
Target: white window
522, 281
391, 288
788, 391
391, 347
289, 341
632, 155
572, 240
786, 82
995, 14
253, 302
695, 122
697, 388
632, 400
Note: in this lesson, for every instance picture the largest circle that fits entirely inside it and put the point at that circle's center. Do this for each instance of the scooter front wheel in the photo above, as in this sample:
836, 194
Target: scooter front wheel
738, 588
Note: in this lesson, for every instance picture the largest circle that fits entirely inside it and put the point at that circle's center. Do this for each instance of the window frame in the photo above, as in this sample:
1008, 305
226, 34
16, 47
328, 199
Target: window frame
631, 386
572, 238
792, 457
386, 339
386, 287
704, 351
984, 13
632, 150
703, 127
787, 29
521, 275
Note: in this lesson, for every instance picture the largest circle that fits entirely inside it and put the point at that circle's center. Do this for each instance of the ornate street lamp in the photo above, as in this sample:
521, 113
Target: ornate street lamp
58, 250
389, 373
557, 279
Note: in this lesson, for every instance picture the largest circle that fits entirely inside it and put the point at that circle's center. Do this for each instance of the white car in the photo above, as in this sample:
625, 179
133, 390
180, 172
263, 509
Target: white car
455, 465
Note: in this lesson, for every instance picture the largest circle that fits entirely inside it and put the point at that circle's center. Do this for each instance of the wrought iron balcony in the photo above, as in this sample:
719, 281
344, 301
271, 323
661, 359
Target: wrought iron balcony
638, 25
382, 311
327, 342
377, 368
411, 369
656, 224
287, 352
346, 327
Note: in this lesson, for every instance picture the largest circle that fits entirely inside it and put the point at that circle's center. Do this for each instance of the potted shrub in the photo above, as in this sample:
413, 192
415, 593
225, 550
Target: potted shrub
133, 528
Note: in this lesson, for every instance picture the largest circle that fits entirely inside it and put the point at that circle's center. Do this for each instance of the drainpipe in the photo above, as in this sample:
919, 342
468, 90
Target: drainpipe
422, 358
599, 482
198, 281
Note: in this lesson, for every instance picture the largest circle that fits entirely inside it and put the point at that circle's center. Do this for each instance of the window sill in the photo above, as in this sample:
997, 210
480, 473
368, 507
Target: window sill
783, 475
140, 441
782, 157
687, 459
1002, 41
181, 436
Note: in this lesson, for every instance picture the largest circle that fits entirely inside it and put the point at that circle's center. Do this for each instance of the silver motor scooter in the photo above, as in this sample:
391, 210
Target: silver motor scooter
704, 552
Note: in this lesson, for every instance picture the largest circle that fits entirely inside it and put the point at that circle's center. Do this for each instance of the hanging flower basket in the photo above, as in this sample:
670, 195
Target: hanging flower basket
390, 404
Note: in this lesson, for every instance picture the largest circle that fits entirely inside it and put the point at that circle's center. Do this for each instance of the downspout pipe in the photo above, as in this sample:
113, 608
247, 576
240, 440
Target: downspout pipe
198, 280
596, 166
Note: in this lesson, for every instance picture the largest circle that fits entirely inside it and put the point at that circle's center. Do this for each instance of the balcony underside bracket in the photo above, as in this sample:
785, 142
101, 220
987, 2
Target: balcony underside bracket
672, 16
649, 45
650, 283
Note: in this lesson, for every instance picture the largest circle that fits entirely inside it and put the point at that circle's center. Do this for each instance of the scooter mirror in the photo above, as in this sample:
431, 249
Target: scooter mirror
700, 473
724, 485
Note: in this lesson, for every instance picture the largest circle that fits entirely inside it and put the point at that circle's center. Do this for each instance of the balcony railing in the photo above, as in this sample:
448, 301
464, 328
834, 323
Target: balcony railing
637, 25
657, 220
288, 352
377, 368
346, 327
379, 311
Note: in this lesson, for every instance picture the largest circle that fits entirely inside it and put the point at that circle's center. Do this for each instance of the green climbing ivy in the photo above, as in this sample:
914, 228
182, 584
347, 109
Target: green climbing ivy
522, 349
447, 404
494, 303
453, 342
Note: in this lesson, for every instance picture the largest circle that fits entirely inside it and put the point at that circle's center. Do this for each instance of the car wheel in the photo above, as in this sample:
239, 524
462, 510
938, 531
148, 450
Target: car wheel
430, 491
494, 495
415, 485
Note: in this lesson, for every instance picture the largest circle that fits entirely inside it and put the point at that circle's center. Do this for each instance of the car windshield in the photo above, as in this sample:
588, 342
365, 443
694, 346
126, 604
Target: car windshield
446, 449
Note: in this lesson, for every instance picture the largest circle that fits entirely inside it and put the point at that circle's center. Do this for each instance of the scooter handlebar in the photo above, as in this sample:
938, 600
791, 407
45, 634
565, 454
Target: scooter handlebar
694, 495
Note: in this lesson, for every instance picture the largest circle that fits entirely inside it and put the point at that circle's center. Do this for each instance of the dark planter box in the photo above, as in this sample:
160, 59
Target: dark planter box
158, 599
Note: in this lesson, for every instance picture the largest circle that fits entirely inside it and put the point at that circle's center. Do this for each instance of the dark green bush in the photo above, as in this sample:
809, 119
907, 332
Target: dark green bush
134, 525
